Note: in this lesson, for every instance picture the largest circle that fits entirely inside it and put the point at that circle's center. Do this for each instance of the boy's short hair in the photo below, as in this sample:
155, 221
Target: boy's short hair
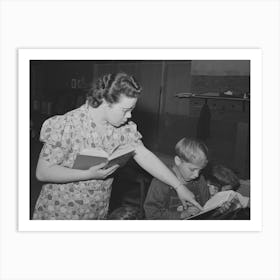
192, 150
221, 176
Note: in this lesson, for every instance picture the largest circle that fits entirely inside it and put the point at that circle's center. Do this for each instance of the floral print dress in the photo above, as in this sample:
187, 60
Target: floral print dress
64, 137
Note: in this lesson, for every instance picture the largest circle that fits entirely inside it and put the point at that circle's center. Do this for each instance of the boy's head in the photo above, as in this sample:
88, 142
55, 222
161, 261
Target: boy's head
190, 158
221, 178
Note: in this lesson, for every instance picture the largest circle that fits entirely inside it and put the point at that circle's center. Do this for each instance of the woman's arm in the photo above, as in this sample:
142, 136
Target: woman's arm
152, 164
59, 174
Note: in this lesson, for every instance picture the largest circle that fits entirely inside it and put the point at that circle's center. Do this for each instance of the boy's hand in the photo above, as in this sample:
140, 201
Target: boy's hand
224, 207
231, 204
191, 211
186, 195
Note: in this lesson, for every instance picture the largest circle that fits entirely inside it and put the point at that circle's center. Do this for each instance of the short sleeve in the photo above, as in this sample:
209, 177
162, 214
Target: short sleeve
131, 135
52, 136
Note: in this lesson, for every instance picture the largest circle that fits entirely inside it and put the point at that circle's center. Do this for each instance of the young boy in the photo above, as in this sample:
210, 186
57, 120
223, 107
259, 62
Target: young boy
162, 201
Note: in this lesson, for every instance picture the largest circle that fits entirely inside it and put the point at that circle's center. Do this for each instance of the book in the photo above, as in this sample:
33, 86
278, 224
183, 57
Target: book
91, 157
216, 201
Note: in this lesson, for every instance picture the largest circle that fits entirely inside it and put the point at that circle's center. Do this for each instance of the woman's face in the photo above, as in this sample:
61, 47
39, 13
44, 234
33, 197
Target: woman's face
117, 114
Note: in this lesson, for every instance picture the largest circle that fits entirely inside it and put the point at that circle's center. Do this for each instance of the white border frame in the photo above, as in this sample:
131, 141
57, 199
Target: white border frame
152, 24
24, 57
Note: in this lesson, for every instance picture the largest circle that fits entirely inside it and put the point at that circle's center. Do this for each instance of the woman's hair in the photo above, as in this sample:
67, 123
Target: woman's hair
192, 151
110, 87
220, 176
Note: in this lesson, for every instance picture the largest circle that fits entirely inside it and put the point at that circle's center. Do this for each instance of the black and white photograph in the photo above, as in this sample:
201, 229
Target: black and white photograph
141, 139
73, 118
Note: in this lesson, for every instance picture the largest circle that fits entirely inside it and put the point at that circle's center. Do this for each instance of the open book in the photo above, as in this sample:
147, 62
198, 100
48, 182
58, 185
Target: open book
218, 200
90, 157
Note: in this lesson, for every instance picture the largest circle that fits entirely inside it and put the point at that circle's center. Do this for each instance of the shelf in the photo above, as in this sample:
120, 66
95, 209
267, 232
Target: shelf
200, 96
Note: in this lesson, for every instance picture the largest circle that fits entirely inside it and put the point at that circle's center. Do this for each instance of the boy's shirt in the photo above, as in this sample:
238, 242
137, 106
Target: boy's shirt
163, 203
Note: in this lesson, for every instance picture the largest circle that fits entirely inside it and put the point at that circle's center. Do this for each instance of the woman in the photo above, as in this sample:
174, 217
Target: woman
101, 122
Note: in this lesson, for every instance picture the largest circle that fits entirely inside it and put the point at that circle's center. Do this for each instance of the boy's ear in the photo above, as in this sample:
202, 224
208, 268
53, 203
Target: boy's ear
177, 160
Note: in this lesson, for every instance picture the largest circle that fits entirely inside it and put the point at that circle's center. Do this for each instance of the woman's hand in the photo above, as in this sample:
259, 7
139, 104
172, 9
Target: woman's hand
186, 195
98, 172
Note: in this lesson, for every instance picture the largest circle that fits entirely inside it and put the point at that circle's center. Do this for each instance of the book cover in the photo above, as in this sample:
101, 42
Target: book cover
91, 157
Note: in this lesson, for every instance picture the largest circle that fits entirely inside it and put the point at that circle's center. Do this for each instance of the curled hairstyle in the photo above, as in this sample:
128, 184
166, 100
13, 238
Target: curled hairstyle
110, 87
221, 176
192, 151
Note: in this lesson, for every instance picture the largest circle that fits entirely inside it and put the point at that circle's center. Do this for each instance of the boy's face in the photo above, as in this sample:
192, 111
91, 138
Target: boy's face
189, 171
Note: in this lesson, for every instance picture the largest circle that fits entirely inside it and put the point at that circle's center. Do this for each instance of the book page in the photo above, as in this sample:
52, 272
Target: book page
218, 199
215, 202
95, 152
121, 151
